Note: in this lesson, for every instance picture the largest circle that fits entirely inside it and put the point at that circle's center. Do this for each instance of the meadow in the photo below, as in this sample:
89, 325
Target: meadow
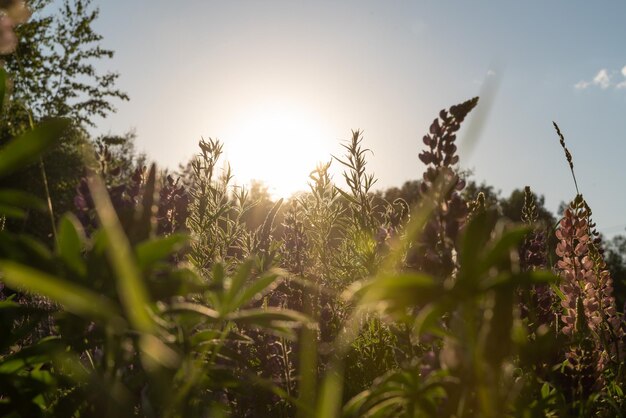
129, 291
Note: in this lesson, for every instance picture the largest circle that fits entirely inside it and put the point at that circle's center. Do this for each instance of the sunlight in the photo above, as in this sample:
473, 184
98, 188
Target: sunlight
277, 144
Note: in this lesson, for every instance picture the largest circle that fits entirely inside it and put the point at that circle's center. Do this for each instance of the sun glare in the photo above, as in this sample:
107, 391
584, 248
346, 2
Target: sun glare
277, 144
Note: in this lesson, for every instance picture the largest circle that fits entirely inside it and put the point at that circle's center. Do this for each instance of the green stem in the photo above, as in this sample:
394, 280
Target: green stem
41, 164
47, 189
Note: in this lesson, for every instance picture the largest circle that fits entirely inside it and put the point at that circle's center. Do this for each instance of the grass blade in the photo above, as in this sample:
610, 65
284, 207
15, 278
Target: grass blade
133, 294
27, 148
74, 298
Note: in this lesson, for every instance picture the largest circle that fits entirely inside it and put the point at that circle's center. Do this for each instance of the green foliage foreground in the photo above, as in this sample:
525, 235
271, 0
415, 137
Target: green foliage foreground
157, 300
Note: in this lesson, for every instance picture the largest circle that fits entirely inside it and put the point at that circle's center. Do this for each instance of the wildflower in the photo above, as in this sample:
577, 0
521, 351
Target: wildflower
579, 280
441, 184
589, 315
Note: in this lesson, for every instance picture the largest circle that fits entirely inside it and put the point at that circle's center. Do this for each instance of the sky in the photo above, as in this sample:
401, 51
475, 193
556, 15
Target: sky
283, 84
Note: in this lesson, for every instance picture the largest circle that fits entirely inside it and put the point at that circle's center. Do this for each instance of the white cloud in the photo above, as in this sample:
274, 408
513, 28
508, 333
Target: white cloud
581, 85
492, 72
602, 79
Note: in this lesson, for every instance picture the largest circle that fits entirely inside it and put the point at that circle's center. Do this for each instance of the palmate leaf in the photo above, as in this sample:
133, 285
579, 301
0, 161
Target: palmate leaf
28, 147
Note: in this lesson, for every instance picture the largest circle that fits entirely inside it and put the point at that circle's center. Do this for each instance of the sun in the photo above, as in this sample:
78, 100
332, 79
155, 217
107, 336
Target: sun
278, 144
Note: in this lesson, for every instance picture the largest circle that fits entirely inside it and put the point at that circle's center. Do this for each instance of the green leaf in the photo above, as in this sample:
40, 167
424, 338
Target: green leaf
151, 251
218, 274
427, 320
27, 148
503, 247
498, 324
256, 290
70, 243
236, 283
331, 392
41, 352
268, 224
475, 237
354, 405
17, 321
12, 212
522, 279
347, 196
74, 298
279, 320
157, 353
144, 216
21, 199
211, 336
401, 290
194, 308
557, 290
130, 285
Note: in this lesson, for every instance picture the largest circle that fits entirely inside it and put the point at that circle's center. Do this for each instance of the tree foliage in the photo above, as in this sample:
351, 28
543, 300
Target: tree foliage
53, 68
53, 74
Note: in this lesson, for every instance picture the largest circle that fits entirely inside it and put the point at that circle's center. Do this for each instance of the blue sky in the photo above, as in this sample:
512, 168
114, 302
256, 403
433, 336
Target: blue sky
203, 68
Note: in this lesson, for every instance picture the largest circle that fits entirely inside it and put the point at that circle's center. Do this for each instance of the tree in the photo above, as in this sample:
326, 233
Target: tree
53, 66
53, 75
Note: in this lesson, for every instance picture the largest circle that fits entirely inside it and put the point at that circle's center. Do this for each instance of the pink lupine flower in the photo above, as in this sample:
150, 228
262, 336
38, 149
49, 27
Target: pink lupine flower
588, 306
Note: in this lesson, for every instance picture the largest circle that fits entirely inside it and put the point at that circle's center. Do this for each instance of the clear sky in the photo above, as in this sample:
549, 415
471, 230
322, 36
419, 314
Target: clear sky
297, 76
